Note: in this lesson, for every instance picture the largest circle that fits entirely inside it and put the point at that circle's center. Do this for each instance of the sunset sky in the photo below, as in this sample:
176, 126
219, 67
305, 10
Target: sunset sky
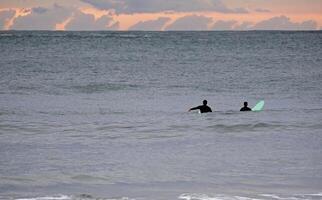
160, 14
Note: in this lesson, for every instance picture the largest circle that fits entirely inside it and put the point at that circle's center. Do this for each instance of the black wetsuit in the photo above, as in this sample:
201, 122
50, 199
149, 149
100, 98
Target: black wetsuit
202, 108
245, 109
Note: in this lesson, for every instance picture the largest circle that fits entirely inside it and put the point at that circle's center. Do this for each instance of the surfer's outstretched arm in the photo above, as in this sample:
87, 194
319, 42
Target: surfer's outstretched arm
194, 108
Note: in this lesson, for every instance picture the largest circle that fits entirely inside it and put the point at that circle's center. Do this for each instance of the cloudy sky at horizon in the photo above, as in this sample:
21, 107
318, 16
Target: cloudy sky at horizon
160, 15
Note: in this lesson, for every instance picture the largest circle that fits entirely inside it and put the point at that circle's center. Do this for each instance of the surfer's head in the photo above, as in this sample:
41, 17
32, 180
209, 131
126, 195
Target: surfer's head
204, 102
245, 103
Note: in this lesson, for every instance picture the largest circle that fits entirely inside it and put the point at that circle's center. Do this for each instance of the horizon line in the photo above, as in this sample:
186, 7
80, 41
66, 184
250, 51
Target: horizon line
98, 30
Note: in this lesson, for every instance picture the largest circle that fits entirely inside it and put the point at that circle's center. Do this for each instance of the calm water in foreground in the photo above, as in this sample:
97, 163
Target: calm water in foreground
103, 115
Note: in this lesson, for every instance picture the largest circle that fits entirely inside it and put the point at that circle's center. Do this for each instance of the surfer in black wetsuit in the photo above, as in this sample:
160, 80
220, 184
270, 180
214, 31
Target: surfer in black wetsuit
203, 108
245, 108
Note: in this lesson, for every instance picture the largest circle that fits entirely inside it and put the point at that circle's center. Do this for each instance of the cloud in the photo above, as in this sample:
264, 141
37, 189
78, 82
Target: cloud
262, 10
41, 18
243, 26
221, 25
39, 10
82, 21
190, 22
240, 11
151, 25
153, 6
308, 25
5, 16
284, 23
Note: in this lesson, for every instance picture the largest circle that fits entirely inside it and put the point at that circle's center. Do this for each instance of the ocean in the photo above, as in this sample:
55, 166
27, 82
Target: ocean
104, 115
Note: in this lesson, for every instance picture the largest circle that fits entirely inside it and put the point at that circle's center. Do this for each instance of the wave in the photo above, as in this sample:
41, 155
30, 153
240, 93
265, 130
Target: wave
128, 35
76, 197
7, 112
30, 129
6, 35
76, 34
58, 197
195, 196
102, 87
88, 178
16, 178
293, 197
245, 127
187, 196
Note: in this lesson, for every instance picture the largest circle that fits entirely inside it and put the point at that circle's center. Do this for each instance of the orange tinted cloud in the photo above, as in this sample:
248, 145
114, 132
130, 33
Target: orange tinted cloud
93, 11
127, 21
61, 26
226, 11
19, 12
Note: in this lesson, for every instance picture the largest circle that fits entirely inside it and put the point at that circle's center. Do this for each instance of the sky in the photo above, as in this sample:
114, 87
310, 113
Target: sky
156, 15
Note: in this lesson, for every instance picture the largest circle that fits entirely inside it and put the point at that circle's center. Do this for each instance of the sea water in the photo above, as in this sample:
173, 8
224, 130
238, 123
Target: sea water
104, 115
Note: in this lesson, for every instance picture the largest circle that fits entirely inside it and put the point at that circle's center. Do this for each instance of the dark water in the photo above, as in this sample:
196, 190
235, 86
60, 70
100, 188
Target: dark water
103, 115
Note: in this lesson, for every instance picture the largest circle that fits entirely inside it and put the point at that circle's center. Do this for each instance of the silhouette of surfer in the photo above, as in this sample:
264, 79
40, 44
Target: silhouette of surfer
203, 108
245, 108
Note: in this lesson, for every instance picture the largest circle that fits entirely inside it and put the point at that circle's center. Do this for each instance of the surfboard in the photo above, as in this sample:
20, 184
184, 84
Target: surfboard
259, 106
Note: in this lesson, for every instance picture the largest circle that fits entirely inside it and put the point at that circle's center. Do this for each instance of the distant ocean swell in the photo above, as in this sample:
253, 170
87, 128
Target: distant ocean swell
145, 128
90, 88
139, 127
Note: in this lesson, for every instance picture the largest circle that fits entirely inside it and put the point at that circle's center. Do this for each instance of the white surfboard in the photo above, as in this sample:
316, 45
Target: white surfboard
259, 106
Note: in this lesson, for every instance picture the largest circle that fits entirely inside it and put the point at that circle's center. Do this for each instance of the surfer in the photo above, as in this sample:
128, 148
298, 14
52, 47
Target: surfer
203, 108
245, 108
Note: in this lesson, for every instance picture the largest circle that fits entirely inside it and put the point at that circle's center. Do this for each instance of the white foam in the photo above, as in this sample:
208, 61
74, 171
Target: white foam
122, 198
216, 197
65, 197
294, 197
245, 198
316, 195
272, 196
60, 197
197, 197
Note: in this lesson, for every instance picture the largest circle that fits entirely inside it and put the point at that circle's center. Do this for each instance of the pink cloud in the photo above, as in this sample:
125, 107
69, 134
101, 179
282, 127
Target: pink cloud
284, 23
82, 21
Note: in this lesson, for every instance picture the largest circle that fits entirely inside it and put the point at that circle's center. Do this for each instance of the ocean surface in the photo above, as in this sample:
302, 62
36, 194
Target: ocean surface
104, 115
